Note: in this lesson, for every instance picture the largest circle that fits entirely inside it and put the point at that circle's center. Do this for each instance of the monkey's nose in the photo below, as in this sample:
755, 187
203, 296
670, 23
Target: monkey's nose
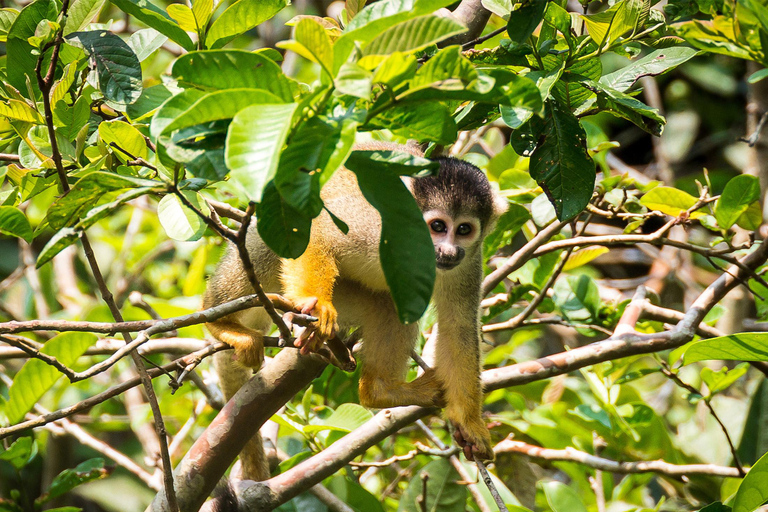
448, 256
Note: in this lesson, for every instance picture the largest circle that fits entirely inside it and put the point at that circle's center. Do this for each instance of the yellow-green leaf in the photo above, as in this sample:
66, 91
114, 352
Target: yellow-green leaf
202, 9
61, 87
669, 200
16, 109
37, 377
184, 16
125, 140
583, 256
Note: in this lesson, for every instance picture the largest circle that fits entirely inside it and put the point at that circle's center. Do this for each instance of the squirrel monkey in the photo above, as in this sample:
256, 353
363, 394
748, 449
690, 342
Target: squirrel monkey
339, 280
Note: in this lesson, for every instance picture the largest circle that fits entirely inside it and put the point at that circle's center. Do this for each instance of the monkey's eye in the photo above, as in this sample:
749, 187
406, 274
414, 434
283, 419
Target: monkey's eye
437, 226
464, 229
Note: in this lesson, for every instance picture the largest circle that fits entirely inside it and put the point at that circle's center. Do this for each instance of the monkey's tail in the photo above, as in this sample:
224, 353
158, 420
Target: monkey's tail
224, 499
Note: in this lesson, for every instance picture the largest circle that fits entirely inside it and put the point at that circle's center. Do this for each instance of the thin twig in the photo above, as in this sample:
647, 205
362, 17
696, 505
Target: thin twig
651, 466
491, 487
480, 40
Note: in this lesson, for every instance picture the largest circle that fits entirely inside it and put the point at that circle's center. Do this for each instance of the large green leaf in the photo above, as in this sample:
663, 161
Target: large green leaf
577, 297
13, 222
420, 121
739, 193
560, 163
80, 14
745, 346
70, 119
239, 17
180, 222
154, 17
21, 59
233, 69
214, 106
524, 20
627, 107
668, 200
254, 141
37, 377
318, 149
68, 479
124, 139
414, 34
284, 229
753, 490
562, 498
118, 69
406, 250
172, 108
444, 492
653, 64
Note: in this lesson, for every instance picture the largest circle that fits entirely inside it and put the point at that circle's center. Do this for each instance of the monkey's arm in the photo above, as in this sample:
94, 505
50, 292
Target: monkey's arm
308, 281
458, 361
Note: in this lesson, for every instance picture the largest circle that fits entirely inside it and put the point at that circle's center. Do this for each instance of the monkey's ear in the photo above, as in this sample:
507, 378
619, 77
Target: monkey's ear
500, 205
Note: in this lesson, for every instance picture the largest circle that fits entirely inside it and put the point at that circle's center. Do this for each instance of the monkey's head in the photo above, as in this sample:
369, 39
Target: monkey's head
460, 208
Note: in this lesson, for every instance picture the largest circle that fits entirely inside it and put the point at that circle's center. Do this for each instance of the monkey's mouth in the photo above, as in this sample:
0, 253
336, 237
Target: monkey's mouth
447, 264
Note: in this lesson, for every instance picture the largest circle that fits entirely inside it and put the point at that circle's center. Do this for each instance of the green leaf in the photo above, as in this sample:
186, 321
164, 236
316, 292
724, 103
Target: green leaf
184, 16
61, 86
352, 493
58, 242
607, 26
80, 14
506, 228
202, 9
752, 218
739, 193
284, 229
180, 222
37, 377
753, 490
561, 165
233, 69
313, 43
129, 140
67, 209
406, 250
21, 61
758, 75
219, 105
13, 222
16, 109
524, 20
171, 109
240, 17
117, 67
562, 498
413, 35
318, 149
577, 297
668, 200
420, 121
151, 99
627, 107
70, 119
745, 346
7, 17
92, 469
444, 493
347, 417
144, 42
20, 452
254, 140
154, 17
354, 80
720, 380
653, 64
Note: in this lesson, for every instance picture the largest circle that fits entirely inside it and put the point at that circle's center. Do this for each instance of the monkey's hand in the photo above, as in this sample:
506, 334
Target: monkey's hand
474, 439
314, 336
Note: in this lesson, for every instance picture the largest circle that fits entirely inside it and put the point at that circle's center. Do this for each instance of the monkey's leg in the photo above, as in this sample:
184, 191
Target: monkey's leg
458, 364
385, 352
248, 343
232, 376
308, 281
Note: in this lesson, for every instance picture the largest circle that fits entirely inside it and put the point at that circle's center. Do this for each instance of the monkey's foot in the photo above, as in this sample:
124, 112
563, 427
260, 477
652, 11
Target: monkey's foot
313, 337
474, 440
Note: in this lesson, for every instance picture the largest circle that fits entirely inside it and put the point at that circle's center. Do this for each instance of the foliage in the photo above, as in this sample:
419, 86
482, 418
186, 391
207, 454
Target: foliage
99, 125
